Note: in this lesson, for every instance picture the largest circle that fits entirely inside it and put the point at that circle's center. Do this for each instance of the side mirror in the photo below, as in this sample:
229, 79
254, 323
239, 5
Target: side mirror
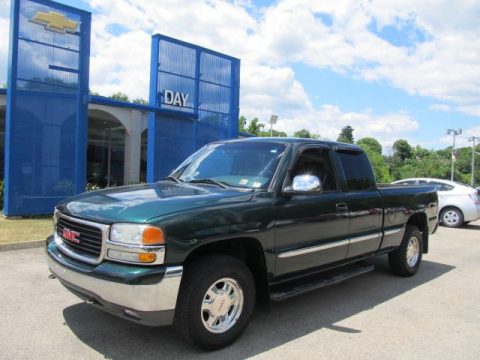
304, 184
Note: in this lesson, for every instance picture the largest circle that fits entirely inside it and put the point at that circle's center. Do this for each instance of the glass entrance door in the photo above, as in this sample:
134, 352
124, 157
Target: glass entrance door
106, 151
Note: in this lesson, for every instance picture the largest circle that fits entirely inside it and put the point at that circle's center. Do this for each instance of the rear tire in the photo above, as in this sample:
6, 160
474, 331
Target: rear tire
216, 300
452, 217
406, 260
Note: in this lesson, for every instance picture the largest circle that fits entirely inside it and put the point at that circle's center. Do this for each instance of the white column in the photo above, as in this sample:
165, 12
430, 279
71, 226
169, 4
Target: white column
133, 138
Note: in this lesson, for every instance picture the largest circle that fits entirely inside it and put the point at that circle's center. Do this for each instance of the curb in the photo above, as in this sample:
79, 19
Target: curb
22, 245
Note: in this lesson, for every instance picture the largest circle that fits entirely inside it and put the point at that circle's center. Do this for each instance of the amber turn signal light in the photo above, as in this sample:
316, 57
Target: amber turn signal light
147, 257
153, 236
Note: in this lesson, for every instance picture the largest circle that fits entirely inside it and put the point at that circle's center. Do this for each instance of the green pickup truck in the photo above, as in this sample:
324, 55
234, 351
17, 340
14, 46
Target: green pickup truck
238, 222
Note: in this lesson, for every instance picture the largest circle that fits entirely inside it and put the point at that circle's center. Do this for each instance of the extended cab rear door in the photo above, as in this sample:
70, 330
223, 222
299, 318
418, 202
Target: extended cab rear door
363, 200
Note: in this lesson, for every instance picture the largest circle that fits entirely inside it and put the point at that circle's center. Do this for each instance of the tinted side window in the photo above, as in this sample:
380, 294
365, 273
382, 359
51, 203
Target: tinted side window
316, 162
442, 186
358, 172
408, 182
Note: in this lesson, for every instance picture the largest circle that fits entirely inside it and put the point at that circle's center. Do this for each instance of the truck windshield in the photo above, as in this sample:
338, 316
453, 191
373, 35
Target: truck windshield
238, 164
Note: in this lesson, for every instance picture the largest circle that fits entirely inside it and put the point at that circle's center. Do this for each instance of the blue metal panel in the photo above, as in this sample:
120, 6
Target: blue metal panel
152, 121
209, 82
46, 127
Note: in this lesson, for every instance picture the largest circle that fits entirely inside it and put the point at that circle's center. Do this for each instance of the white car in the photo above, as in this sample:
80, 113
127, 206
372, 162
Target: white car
458, 204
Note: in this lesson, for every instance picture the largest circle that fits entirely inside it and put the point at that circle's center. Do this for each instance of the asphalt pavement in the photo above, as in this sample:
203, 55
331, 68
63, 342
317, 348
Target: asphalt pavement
433, 315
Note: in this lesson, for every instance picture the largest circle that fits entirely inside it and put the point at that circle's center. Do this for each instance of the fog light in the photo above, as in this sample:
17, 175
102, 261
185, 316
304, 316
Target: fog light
147, 257
131, 256
122, 255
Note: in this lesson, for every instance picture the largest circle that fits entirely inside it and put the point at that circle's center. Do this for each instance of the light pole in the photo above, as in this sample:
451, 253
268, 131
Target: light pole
473, 139
455, 133
273, 121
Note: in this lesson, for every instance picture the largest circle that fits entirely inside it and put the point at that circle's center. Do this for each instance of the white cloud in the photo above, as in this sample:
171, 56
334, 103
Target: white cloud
445, 67
440, 107
330, 119
122, 64
463, 139
267, 44
4, 38
470, 109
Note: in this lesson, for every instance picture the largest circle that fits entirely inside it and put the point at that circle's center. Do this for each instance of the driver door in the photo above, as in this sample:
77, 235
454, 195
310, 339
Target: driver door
312, 229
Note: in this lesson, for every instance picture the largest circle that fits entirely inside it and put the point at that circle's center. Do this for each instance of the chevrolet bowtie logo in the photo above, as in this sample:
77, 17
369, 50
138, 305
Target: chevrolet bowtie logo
54, 21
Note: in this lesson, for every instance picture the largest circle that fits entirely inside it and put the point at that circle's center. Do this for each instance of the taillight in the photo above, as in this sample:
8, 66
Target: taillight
475, 198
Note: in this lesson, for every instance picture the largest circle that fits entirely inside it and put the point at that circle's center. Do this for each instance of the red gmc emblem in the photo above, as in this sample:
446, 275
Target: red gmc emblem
71, 235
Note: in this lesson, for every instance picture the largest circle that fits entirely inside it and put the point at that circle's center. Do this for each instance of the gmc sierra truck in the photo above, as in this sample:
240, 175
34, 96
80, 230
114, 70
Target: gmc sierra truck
238, 222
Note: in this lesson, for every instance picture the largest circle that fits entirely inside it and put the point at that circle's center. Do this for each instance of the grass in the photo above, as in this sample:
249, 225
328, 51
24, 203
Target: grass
24, 229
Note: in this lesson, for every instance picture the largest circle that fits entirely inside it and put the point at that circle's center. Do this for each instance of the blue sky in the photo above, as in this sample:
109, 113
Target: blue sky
396, 69
355, 95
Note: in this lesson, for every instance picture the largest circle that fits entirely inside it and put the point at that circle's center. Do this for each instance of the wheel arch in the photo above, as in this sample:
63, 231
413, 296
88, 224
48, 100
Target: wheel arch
445, 207
247, 249
420, 220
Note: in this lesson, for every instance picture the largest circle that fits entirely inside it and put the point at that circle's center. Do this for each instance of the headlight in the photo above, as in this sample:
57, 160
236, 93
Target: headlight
133, 234
55, 220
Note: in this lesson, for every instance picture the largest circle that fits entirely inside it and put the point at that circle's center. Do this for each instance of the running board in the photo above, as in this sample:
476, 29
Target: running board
303, 285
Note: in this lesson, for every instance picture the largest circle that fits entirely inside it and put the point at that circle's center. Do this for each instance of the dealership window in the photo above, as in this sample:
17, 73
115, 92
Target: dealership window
143, 156
106, 150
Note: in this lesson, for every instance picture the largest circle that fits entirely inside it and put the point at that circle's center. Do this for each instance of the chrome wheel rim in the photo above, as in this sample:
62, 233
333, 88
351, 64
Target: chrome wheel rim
222, 305
413, 251
451, 217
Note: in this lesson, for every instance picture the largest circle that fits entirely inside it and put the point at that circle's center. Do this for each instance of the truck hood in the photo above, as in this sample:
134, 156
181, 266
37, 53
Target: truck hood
141, 203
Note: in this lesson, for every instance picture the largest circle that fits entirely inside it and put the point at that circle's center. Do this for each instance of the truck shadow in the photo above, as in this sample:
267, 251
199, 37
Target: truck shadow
471, 227
280, 323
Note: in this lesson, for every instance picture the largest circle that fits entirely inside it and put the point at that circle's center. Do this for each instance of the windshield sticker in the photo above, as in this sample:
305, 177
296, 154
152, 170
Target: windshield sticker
243, 182
274, 151
256, 184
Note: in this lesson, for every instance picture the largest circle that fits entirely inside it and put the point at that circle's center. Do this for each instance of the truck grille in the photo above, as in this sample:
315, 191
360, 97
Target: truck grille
88, 242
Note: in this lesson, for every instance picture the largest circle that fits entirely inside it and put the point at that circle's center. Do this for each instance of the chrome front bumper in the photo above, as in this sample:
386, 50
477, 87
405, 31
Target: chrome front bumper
147, 299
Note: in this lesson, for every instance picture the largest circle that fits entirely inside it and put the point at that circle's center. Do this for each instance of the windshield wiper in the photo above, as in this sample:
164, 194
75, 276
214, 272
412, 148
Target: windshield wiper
210, 181
173, 178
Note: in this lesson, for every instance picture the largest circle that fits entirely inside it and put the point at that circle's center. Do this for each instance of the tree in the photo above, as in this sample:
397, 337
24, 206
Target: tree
434, 166
380, 168
402, 150
242, 124
140, 101
120, 97
420, 153
373, 149
304, 133
275, 133
346, 135
372, 143
255, 127
4, 85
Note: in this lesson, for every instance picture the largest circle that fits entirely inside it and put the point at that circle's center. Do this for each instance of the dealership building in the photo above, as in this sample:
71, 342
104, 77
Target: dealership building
55, 137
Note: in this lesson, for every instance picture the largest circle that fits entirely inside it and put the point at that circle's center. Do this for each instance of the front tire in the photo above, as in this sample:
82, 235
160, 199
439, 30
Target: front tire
406, 260
216, 301
452, 217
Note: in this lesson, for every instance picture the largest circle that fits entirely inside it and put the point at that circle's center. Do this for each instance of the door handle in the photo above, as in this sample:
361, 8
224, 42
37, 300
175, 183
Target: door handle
342, 208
